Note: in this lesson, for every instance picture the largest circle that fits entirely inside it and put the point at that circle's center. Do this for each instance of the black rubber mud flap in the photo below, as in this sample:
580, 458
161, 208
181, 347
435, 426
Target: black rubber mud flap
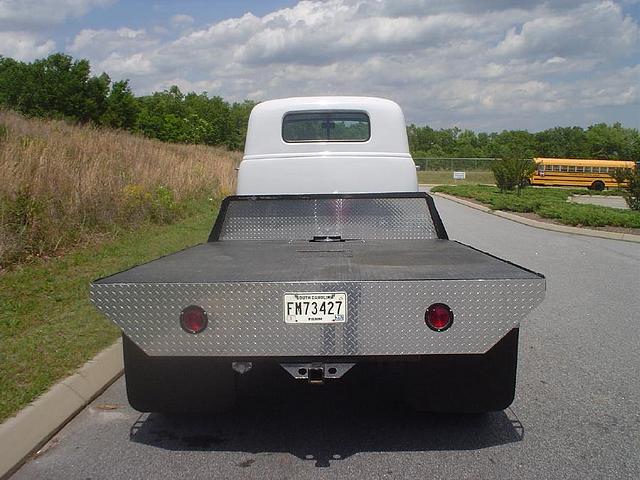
177, 384
464, 383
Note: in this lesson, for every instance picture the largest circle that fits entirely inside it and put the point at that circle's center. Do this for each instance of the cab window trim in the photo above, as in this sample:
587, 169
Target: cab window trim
328, 114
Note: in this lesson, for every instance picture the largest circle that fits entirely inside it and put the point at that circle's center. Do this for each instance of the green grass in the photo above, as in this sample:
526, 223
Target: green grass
548, 203
445, 177
48, 327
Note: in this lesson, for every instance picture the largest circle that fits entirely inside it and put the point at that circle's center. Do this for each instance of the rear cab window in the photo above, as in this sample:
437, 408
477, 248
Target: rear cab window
326, 126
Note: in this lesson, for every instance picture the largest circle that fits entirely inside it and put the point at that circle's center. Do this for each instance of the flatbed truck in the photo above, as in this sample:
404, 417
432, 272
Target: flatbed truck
327, 263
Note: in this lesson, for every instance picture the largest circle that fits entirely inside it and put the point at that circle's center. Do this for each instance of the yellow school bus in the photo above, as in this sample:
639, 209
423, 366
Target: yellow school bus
578, 172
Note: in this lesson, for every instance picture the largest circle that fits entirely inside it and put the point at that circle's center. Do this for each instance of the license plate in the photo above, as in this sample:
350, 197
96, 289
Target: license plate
315, 307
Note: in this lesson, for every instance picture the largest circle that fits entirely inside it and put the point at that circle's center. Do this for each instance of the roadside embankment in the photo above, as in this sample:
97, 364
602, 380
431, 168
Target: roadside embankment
48, 326
65, 185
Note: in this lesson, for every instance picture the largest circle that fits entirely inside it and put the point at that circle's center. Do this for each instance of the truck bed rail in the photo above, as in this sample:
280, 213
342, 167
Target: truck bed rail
410, 215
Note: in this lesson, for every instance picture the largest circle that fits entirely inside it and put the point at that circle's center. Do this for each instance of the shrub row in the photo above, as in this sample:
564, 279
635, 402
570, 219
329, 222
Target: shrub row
548, 203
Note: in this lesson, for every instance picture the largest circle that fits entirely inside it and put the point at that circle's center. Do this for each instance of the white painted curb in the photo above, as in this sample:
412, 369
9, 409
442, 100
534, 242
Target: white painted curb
35, 424
627, 237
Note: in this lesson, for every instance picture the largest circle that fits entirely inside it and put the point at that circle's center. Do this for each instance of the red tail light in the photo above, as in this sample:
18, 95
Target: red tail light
193, 319
438, 317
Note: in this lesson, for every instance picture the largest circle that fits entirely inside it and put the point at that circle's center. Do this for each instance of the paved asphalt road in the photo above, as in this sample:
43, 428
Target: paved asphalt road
576, 413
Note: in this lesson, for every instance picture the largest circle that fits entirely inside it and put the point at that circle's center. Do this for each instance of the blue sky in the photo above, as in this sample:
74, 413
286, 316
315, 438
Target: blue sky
480, 64
142, 14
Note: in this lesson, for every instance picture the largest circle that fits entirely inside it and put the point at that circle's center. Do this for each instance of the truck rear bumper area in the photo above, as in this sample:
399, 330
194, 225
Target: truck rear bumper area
389, 284
437, 383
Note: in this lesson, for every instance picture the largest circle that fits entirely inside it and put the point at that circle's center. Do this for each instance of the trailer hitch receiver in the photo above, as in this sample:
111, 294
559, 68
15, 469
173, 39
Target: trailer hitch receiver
317, 372
316, 375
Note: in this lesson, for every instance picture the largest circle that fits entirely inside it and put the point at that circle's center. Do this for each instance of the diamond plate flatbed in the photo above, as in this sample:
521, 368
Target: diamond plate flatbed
395, 261
389, 284
281, 261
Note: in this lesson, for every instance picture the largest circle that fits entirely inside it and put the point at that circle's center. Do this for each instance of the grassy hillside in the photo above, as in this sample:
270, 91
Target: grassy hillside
64, 185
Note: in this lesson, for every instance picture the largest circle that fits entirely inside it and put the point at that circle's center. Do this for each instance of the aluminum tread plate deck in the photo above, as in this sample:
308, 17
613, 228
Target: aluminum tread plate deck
282, 261
389, 284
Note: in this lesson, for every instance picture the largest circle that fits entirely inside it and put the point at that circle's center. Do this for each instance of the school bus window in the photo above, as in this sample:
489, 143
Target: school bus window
572, 169
563, 168
579, 169
588, 169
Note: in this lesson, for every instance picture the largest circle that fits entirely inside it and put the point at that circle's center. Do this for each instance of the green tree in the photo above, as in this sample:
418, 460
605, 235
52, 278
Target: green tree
56, 86
562, 142
612, 142
121, 107
238, 121
468, 145
13, 78
161, 116
213, 117
511, 143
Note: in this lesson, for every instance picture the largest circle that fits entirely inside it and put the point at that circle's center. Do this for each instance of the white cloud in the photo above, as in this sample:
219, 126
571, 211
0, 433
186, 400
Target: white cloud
593, 29
23, 23
117, 65
95, 43
24, 45
621, 87
28, 14
489, 64
181, 20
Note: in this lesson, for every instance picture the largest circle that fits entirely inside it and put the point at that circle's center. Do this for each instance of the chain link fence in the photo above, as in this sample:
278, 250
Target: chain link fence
454, 164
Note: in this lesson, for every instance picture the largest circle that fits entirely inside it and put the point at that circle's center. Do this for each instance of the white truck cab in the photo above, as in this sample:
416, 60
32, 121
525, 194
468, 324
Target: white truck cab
309, 145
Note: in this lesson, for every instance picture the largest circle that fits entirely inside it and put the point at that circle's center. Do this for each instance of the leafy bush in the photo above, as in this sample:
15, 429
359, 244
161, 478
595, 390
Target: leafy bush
632, 193
621, 176
513, 172
158, 205
164, 208
630, 182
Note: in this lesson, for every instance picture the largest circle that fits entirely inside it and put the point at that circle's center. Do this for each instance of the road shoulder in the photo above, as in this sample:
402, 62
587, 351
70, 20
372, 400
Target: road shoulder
35, 424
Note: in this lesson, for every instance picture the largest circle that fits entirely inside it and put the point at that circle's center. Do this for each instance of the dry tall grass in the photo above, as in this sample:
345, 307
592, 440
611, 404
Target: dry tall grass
60, 183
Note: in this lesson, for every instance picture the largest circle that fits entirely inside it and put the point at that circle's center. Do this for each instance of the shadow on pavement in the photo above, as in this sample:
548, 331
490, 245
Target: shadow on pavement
324, 423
